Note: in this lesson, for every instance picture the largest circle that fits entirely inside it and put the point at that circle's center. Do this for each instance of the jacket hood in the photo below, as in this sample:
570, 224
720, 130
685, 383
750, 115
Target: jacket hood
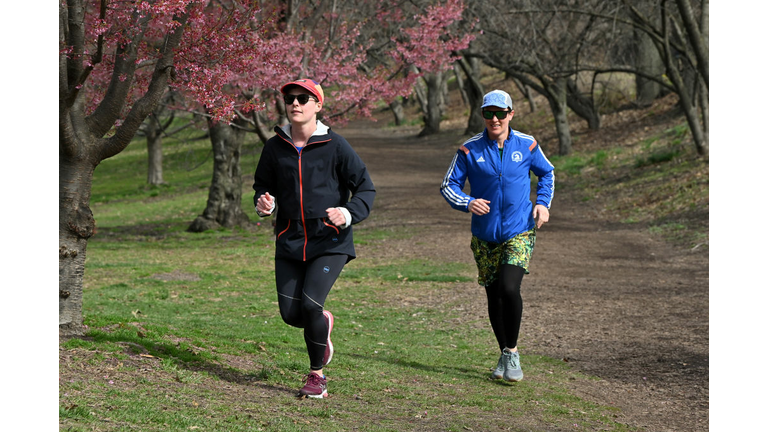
321, 130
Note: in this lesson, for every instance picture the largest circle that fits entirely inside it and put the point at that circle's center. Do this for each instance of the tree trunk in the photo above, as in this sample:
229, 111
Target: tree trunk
704, 104
704, 91
421, 94
584, 107
690, 82
433, 112
648, 61
698, 35
397, 110
475, 92
225, 195
282, 116
83, 140
700, 138
689, 53
460, 84
526, 91
154, 132
558, 102
261, 130
687, 100
76, 226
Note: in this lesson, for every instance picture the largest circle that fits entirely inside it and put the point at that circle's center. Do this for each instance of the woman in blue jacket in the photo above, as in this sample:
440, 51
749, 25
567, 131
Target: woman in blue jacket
498, 163
321, 187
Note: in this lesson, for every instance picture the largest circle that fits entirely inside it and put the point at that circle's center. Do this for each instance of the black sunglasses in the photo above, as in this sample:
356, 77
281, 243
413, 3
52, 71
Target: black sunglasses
303, 98
501, 115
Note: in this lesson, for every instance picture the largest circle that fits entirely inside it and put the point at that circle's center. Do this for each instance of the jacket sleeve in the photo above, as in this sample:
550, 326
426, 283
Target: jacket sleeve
454, 181
353, 174
264, 177
545, 171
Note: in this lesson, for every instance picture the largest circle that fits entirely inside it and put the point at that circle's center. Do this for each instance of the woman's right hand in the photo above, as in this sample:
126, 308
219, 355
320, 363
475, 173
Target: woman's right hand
479, 206
265, 204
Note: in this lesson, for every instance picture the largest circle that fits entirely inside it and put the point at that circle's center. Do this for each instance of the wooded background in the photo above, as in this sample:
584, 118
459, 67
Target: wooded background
128, 68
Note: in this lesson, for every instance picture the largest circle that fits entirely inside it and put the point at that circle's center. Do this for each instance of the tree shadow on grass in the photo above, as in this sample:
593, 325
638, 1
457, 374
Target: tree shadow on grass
186, 359
459, 372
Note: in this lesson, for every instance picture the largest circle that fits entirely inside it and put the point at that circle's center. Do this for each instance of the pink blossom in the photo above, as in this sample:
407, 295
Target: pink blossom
235, 54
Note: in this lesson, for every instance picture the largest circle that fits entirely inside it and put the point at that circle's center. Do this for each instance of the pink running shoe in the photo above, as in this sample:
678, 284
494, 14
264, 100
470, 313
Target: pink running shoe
315, 387
328, 344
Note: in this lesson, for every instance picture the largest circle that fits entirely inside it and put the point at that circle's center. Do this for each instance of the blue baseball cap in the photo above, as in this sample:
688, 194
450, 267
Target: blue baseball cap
497, 98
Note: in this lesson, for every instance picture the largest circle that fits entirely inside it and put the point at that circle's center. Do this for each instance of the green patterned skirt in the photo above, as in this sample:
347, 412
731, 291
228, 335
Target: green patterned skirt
491, 256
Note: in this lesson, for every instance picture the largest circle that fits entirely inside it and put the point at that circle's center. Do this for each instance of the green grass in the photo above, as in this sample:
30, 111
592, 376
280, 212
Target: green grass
660, 181
414, 270
184, 333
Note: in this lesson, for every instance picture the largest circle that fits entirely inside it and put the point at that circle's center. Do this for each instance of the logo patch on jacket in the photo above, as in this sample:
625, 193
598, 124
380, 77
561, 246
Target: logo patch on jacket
482, 159
517, 156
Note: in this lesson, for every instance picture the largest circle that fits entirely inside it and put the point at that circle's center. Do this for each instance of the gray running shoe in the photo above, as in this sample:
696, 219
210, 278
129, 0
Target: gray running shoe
512, 370
498, 373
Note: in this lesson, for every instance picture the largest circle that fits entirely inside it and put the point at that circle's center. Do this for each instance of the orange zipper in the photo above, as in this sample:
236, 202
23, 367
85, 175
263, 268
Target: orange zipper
301, 201
301, 194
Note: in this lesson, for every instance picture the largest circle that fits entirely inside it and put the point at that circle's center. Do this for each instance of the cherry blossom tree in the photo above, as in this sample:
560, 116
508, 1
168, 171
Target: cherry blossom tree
342, 52
311, 41
227, 57
430, 48
116, 61
157, 126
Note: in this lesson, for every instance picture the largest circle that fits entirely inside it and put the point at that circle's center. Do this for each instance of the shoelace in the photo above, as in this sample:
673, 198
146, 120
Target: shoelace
314, 379
512, 362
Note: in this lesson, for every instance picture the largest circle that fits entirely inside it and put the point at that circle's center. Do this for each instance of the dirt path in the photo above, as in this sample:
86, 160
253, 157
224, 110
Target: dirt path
610, 299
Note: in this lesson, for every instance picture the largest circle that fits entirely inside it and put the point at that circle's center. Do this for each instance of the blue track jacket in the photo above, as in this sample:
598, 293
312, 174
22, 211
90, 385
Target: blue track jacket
504, 181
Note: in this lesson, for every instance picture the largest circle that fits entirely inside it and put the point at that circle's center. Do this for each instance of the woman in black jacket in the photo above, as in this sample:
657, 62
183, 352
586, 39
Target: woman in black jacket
321, 187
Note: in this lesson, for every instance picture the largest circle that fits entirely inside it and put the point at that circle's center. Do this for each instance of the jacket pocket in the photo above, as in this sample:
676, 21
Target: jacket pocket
335, 228
286, 229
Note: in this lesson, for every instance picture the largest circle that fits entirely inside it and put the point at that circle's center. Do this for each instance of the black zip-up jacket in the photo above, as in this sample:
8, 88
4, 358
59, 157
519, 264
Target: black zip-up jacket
304, 184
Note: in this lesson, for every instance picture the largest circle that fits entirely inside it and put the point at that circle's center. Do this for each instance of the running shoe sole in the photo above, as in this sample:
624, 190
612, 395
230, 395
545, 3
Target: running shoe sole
320, 396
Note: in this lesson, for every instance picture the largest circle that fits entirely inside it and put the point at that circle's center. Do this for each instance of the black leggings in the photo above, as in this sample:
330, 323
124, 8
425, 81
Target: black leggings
505, 305
302, 287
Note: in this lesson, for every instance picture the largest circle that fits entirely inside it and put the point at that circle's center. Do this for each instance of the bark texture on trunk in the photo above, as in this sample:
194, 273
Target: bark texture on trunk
397, 110
460, 84
224, 208
583, 106
527, 93
684, 52
433, 111
154, 133
76, 226
475, 93
557, 97
648, 61
85, 139
686, 89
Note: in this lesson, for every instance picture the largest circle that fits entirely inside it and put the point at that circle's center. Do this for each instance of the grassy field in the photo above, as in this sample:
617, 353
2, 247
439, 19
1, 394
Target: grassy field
184, 331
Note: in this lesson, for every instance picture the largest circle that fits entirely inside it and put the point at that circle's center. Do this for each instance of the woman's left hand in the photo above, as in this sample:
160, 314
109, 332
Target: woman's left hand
336, 216
541, 214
